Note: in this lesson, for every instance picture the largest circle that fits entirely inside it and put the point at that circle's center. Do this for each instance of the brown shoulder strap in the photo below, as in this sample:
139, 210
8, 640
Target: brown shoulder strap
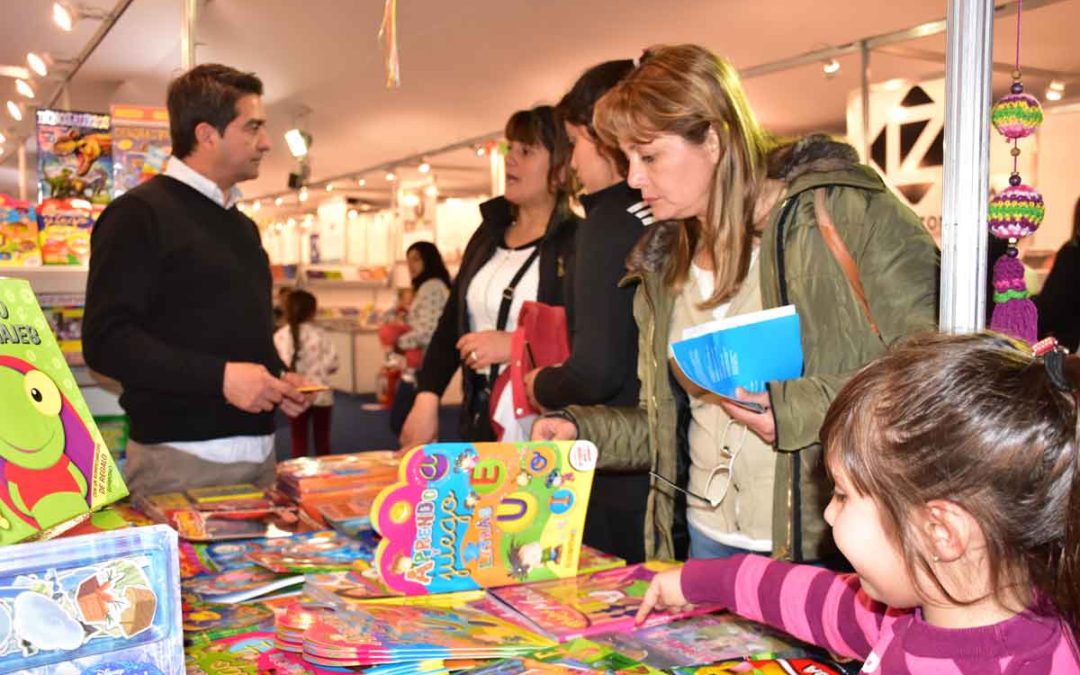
840, 252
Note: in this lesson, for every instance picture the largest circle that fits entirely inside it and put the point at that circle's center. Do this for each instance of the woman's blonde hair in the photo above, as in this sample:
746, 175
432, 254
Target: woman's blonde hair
687, 90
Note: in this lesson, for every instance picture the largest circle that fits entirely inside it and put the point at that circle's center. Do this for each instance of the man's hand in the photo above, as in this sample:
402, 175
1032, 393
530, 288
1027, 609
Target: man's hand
553, 429
251, 388
762, 424
292, 406
665, 592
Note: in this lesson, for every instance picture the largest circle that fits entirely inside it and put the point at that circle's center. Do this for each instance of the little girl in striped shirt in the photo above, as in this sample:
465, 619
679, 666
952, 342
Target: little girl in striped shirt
957, 502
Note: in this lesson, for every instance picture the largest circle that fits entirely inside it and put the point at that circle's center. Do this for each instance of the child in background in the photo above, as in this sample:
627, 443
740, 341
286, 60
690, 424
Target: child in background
316, 359
957, 501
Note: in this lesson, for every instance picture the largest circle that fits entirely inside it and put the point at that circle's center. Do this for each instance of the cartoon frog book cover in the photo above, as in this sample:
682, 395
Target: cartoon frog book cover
54, 465
465, 516
591, 603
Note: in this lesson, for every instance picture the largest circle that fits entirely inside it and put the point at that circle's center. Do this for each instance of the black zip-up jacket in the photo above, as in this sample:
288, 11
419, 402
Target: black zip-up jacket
602, 368
556, 261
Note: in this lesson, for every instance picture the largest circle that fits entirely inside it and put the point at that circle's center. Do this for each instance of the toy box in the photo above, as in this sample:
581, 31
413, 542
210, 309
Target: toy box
100, 603
74, 155
18, 234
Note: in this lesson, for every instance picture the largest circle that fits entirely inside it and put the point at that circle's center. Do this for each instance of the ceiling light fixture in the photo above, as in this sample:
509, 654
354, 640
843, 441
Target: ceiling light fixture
67, 14
256, 205
361, 182
37, 63
431, 191
329, 187
303, 195
15, 110
830, 67
299, 142
1053, 95
1055, 90
24, 88
391, 176
480, 151
278, 201
424, 167
2, 138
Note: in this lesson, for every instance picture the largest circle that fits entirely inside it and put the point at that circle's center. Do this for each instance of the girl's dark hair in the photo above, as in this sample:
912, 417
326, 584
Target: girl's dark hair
576, 107
206, 93
975, 420
299, 308
538, 126
1076, 222
434, 267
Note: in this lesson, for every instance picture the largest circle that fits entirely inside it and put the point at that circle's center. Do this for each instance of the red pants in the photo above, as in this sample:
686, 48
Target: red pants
320, 419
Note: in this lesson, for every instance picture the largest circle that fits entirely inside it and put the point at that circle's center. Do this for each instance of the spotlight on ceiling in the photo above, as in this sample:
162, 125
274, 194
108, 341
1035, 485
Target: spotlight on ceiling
830, 67
299, 142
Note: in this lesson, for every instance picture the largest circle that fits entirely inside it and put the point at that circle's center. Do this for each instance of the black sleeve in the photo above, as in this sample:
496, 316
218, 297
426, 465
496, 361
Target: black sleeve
603, 353
119, 296
1059, 300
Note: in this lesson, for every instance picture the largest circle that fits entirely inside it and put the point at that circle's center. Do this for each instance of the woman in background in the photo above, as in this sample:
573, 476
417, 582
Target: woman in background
431, 288
522, 251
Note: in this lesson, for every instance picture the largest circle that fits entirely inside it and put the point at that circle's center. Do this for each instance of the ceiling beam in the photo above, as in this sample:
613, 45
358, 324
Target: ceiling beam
106, 25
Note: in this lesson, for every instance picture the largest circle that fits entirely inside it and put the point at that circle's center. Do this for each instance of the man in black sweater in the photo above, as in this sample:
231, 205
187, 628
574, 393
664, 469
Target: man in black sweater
178, 303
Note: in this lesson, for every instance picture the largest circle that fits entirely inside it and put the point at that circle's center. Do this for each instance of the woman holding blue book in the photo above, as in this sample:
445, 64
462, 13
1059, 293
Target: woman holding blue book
750, 223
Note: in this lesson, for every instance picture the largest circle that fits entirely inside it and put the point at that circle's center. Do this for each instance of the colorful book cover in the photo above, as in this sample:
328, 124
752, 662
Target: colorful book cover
104, 520
594, 603
466, 516
241, 584
66, 323
349, 515
376, 634
54, 465
140, 145
326, 552
74, 152
19, 245
299, 478
575, 656
764, 667
748, 351
243, 492
206, 622
64, 227
701, 639
228, 555
114, 431
235, 655
361, 585
594, 560
76, 604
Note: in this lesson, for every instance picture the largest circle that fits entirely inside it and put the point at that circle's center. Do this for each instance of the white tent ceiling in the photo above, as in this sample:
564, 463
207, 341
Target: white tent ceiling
467, 64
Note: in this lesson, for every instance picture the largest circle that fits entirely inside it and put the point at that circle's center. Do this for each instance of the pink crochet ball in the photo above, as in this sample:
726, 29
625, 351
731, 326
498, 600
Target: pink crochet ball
1016, 115
1016, 212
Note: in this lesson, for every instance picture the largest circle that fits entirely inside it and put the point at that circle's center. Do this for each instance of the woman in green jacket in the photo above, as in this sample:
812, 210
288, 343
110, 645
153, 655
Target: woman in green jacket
748, 221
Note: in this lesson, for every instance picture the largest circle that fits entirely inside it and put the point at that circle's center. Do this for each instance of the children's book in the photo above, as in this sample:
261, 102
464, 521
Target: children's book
350, 515
64, 227
241, 492
18, 234
748, 351
141, 145
594, 603
377, 634
80, 603
306, 476
74, 152
326, 551
574, 657
465, 516
362, 586
205, 622
798, 666
236, 655
228, 555
54, 465
701, 639
594, 560
241, 584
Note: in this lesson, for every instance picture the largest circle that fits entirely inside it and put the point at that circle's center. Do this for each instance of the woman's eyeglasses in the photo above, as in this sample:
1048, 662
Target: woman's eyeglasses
725, 463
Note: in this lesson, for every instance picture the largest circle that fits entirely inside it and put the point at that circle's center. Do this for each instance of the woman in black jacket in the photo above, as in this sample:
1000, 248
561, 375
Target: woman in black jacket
602, 368
526, 236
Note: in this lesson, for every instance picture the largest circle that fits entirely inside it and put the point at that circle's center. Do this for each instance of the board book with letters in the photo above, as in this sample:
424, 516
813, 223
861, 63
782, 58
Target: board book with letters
465, 516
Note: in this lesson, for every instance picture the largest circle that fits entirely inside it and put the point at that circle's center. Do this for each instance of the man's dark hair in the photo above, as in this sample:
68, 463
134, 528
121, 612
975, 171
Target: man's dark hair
206, 93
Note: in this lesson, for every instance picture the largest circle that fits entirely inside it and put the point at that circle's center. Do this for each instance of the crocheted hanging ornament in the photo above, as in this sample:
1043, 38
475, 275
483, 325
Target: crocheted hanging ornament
1016, 212
1016, 115
1014, 312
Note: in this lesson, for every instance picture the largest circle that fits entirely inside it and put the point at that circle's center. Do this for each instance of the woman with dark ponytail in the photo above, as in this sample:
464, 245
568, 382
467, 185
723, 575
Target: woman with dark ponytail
307, 350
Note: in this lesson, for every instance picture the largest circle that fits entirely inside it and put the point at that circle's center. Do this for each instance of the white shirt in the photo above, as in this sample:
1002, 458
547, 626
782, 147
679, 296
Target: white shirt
209, 189
231, 448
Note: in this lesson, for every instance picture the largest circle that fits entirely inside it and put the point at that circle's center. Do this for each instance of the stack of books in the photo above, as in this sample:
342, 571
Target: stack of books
338, 490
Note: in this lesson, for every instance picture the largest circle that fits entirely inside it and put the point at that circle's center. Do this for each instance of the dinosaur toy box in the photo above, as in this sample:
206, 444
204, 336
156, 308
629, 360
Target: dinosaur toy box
54, 465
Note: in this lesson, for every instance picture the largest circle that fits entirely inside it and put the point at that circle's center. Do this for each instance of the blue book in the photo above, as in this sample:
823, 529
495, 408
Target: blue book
745, 351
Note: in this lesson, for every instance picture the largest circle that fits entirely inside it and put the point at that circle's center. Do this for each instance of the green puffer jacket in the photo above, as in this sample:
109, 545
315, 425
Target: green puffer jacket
898, 265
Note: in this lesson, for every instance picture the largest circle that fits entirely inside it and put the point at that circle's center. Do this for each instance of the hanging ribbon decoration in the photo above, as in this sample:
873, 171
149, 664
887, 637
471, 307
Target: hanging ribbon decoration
388, 36
1016, 212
